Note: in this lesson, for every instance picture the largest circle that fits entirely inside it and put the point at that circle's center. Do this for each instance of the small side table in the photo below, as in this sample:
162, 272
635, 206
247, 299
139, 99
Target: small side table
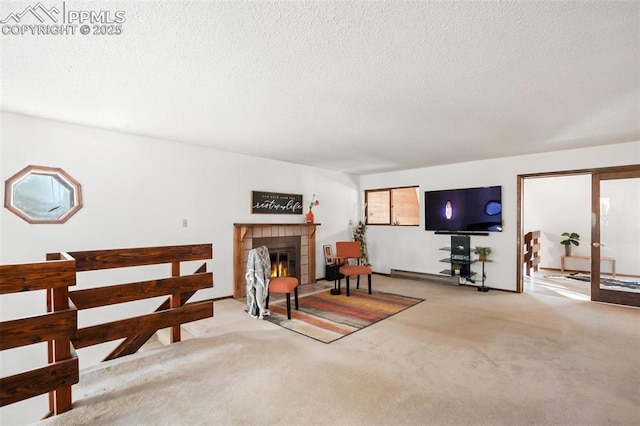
484, 277
337, 262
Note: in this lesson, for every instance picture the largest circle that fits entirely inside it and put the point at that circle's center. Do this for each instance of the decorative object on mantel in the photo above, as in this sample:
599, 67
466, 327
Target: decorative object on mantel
314, 202
275, 203
572, 238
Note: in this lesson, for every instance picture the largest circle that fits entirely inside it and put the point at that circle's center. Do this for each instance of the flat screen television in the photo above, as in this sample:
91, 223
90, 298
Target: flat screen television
464, 211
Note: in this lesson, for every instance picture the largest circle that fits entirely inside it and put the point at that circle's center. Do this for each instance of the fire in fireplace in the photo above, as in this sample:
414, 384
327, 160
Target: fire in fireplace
283, 263
284, 253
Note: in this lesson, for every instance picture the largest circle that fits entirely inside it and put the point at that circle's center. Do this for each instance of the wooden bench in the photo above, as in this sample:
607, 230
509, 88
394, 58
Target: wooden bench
611, 259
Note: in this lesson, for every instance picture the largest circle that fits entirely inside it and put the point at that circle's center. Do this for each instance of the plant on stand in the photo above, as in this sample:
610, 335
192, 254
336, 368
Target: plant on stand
482, 253
314, 202
455, 268
571, 239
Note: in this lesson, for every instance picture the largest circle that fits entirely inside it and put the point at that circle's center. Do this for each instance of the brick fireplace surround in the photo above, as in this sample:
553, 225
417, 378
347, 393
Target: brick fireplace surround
243, 234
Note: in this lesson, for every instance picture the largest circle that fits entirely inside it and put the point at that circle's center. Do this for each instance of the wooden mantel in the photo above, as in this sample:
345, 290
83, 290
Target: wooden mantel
243, 234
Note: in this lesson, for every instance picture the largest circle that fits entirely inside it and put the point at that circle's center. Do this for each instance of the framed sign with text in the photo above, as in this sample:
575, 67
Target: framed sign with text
275, 203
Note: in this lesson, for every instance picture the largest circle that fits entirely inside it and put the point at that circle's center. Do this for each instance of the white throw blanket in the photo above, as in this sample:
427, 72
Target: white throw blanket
257, 277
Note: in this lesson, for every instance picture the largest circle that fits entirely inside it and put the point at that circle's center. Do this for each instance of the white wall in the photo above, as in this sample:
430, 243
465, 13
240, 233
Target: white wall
555, 205
414, 249
136, 192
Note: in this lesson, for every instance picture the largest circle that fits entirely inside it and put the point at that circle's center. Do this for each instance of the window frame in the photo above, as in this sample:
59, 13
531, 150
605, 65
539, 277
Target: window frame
13, 188
390, 191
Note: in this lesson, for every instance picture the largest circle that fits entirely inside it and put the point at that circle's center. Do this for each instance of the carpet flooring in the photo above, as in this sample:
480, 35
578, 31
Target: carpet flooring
327, 318
461, 357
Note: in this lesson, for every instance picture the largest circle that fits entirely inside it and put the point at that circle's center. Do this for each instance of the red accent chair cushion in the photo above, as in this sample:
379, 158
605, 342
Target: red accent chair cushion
282, 284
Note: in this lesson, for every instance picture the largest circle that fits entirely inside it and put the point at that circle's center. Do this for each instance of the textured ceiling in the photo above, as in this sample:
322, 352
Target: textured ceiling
356, 86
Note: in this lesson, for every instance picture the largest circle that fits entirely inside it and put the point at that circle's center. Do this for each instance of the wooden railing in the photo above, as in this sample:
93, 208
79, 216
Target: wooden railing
59, 327
56, 328
138, 330
531, 250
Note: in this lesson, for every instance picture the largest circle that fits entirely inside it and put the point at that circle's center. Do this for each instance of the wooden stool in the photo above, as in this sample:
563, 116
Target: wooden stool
284, 285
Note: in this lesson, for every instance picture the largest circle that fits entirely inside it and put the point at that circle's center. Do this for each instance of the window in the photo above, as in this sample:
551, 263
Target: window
43, 195
392, 206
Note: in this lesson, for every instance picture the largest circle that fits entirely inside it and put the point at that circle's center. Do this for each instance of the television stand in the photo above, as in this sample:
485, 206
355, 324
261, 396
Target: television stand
459, 258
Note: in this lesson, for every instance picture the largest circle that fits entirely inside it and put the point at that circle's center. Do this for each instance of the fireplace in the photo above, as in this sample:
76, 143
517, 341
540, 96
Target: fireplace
304, 253
284, 253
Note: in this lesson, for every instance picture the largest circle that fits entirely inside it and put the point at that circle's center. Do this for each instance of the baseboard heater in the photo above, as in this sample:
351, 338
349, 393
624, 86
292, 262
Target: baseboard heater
423, 276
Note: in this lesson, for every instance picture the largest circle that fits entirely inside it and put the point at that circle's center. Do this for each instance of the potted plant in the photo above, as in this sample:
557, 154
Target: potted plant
482, 252
571, 238
455, 267
359, 234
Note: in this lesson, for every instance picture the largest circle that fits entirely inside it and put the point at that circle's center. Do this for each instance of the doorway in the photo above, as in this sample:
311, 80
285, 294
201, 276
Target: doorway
604, 204
615, 234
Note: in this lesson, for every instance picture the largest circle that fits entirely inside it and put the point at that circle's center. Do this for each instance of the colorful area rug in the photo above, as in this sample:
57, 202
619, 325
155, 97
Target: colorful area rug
327, 318
604, 281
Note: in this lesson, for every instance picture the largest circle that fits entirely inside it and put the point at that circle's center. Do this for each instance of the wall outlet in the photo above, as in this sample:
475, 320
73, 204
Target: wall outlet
184, 223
